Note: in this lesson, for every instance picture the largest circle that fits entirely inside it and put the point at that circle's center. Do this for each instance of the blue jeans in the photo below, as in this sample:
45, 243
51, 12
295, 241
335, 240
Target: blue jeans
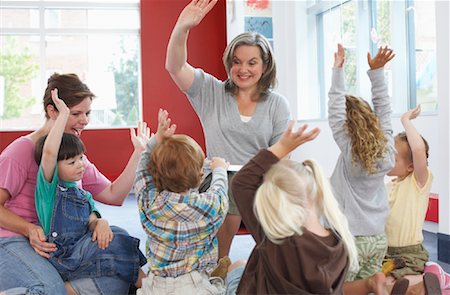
23, 271
77, 256
21, 266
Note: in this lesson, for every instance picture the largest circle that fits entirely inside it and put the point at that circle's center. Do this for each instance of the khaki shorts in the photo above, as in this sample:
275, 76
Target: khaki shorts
414, 256
204, 186
191, 283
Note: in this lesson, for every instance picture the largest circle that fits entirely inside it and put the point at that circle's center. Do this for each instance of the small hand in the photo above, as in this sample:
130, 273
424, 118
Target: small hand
165, 128
218, 162
194, 13
102, 233
140, 139
384, 55
292, 139
339, 56
412, 113
60, 104
38, 242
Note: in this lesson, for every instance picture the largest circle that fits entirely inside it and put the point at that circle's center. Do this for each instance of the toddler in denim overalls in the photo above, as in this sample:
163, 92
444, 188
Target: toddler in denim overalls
86, 247
77, 256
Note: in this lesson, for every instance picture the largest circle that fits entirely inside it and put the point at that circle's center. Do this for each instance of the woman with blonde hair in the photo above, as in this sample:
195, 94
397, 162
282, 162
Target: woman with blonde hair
303, 244
365, 139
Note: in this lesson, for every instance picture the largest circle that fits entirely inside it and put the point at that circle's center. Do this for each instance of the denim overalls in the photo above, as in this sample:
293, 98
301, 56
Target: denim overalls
77, 256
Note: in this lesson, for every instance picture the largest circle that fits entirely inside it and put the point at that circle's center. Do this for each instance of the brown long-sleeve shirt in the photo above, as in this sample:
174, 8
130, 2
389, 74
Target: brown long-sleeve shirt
306, 264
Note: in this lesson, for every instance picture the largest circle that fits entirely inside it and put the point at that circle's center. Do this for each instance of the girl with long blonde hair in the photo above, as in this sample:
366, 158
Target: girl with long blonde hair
365, 139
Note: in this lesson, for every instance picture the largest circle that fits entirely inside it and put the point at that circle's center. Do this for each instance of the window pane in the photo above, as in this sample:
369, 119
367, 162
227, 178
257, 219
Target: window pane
92, 18
97, 41
109, 66
381, 34
19, 18
426, 55
19, 69
339, 26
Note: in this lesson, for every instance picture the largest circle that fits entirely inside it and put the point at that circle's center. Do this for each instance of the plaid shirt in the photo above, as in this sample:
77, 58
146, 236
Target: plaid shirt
181, 228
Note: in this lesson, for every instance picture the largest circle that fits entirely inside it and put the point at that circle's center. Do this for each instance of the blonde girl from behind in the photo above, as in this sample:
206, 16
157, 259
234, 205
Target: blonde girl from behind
303, 197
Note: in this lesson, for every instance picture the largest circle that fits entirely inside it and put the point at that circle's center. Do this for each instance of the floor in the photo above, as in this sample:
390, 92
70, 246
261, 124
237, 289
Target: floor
127, 217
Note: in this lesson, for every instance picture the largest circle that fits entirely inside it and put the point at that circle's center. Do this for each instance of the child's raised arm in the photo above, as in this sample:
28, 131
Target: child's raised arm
417, 146
165, 128
53, 141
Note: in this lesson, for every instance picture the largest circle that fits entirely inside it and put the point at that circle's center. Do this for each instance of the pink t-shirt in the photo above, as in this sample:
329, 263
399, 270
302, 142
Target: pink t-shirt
18, 176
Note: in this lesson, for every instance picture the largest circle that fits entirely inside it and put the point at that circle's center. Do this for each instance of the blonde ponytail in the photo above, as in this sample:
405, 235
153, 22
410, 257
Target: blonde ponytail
334, 217
282, 202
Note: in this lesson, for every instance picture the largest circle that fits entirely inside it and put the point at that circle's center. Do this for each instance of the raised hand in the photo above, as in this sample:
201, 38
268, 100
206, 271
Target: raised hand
411, 114
194, 13
384, 55
140, 139
165, 128
339, 56
290, 139
60, 104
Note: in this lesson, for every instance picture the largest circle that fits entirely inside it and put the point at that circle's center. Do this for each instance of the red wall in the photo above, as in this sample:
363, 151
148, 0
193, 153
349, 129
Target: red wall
110, 149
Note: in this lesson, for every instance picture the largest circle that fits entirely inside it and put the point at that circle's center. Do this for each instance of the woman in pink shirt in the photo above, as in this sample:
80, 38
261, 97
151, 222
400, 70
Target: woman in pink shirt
24, 267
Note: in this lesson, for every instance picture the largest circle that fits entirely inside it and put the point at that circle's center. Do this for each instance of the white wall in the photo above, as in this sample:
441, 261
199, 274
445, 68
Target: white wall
296, 62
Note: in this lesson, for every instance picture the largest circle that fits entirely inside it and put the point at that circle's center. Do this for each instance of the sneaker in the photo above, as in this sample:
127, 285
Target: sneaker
443, 277
400, 287
222, 268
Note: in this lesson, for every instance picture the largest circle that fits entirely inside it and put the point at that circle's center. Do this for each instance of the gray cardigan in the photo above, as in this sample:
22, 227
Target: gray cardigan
362, 197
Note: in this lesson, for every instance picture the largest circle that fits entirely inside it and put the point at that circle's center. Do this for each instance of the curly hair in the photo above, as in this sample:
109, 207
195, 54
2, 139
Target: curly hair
368, 140
176, 164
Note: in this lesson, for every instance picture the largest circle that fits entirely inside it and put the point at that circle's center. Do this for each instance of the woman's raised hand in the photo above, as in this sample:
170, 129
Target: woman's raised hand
194, 13
140, 138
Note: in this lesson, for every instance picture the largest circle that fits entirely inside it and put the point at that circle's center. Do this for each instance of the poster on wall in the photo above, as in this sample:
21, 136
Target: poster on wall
262, 25
258, 18
258, 8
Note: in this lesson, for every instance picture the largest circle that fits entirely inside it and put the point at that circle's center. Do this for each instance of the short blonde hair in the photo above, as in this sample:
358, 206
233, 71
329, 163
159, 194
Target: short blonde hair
176, 164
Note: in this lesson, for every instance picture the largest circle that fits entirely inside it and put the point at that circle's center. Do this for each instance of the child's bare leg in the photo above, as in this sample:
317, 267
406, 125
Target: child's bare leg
70, 290
374, 284
141, 276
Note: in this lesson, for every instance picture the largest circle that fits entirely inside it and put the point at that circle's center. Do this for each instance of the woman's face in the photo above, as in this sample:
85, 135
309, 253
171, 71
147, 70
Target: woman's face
247, 67
79, 117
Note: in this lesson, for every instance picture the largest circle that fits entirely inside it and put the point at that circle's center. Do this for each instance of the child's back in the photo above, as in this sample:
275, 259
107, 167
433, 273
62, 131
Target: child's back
282, 203
365, 140
181, 223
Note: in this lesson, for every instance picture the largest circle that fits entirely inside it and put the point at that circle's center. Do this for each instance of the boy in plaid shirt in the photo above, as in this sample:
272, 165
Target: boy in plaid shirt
181, 223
